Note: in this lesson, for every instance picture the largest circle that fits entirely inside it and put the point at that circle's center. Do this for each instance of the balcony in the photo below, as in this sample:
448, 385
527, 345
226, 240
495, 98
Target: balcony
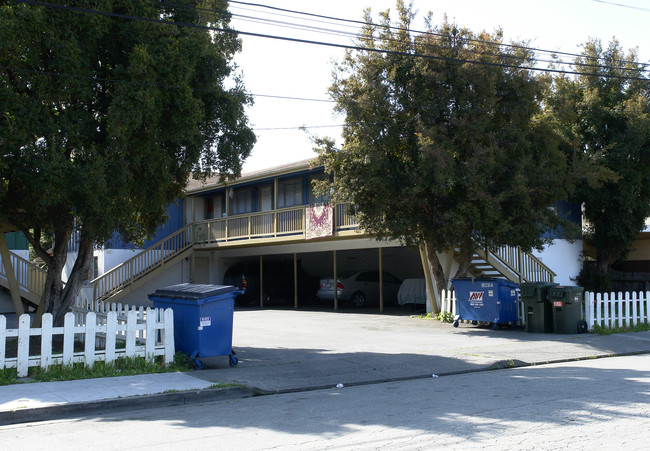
287, 224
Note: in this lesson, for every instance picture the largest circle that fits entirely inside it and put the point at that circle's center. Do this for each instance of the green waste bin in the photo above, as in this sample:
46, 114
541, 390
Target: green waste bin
539, 313
566, 302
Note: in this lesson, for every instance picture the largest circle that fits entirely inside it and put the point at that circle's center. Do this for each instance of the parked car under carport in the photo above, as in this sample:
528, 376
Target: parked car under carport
360, 288
278, 282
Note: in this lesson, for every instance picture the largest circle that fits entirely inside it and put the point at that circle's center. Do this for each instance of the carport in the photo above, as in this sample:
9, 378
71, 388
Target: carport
326, 258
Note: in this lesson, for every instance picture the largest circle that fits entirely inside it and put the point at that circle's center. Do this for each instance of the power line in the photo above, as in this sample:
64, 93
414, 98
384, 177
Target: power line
638, 8
321, 43
329, 19
359, 22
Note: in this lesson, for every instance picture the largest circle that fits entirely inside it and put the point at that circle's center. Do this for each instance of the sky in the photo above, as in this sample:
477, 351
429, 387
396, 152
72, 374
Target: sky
278, 73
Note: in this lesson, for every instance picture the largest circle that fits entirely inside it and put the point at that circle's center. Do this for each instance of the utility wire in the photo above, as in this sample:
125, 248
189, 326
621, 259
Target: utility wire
638, 8
321, 43
329, 19
359, 22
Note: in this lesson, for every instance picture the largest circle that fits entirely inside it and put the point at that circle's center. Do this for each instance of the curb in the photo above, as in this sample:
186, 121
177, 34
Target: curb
62, 411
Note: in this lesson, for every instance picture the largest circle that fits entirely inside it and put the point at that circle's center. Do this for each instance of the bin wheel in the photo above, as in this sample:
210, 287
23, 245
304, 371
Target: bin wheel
456, 323
195, 362
582, 326
233, 360
474, 323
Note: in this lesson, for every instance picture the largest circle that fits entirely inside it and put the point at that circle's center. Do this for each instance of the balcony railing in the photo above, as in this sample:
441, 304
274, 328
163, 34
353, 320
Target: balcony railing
286, 222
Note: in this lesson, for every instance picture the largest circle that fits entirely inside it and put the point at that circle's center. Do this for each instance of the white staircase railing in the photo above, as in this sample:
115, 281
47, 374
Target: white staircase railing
30, 278
142, 264
528, 267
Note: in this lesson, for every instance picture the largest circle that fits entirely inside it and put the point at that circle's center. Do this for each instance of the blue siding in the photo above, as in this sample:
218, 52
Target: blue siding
573, 213
173, 224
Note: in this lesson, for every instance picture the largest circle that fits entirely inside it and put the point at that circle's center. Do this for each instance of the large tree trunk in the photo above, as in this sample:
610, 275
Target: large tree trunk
465, 257
58, 298
81, 272
55, 263
433, 274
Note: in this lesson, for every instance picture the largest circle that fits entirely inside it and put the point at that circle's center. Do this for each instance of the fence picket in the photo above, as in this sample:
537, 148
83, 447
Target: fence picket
131, 332
151, 334
168, 335
3, 340
68, 338
90, 330
111, 336
46, 341
23, 345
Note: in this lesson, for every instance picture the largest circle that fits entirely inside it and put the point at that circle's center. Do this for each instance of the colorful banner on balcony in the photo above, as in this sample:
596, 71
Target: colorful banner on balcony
319, 221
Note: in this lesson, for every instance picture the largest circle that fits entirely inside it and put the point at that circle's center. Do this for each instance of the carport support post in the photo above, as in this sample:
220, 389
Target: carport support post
261, 283
336, 285
381, 282
295, 280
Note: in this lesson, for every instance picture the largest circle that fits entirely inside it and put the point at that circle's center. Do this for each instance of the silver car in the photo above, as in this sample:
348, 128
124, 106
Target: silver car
360, 288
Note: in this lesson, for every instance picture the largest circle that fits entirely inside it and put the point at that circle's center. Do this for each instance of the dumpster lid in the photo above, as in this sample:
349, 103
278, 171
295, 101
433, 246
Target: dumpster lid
193, 291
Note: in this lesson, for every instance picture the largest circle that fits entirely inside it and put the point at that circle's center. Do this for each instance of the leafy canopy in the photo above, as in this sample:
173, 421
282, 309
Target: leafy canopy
103, 118
604, 117
443, 140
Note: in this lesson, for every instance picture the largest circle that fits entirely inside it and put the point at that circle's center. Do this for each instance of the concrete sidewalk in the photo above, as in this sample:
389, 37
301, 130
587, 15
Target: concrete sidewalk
284, 350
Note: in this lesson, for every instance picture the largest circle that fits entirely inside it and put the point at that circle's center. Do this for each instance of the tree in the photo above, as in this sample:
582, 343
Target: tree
604, 116
103, 118
443, 144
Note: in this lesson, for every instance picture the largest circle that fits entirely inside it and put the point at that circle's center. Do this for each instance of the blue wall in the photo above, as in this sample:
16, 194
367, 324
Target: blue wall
174, 223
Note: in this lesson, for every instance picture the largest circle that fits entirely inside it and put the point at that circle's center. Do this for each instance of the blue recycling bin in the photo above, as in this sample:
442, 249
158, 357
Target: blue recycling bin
488, 300
203, 318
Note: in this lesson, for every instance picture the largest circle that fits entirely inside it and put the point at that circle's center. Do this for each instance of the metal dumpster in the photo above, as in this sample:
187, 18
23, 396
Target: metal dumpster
203, 318
538, 312
566, 302
488, 300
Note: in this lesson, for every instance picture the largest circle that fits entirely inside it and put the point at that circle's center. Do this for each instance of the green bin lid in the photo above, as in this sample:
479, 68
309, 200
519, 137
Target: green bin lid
561, 290
528, 289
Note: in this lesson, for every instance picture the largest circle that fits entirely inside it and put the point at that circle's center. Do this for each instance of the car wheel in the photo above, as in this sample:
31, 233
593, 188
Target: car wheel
358, 299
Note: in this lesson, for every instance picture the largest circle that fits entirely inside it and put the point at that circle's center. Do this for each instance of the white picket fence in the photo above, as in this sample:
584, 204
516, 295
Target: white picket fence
611, 310
607, 310
82, 306
154, 336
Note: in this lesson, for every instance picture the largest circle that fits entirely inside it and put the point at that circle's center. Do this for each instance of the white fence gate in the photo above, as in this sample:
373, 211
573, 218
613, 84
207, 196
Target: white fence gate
148, 338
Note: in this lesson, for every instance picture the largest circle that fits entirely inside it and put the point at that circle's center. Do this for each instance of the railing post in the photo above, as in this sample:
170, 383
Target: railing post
275, 224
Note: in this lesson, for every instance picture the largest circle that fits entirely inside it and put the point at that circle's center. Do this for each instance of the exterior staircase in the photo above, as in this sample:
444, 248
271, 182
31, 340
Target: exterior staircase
512, 263
30, 278
144, 266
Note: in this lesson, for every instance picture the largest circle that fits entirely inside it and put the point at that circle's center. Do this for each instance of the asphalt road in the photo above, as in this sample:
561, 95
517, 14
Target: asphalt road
590, 404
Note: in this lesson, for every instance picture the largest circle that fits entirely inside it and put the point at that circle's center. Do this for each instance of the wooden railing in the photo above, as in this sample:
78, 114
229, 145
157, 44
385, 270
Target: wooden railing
526, 266
140, 265
30, 278
268, 224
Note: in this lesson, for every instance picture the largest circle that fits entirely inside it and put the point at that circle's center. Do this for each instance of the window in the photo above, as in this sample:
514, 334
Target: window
241, 202
265, 198
290, 193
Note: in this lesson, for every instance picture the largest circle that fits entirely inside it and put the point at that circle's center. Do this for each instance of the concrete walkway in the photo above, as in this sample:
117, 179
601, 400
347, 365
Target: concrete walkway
284, 350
